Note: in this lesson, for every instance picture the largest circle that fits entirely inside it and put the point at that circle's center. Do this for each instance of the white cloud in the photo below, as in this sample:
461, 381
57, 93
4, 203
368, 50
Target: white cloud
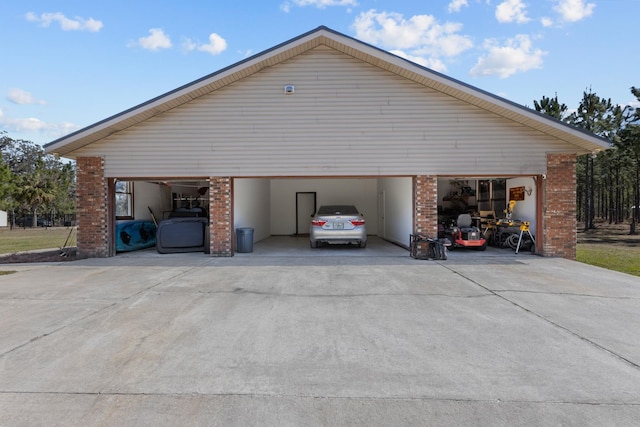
66, 24
512, 11
516, 56
320, 4
546, 22
456, 5
215, 46
634, 103
157, 39
420, 35
22, 97
32, 124
574, 10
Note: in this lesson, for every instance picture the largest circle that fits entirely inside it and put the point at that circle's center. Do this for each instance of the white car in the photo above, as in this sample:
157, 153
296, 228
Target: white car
339, 224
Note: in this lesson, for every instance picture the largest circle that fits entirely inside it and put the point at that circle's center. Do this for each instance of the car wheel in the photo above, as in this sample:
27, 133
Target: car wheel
363, 244
313, 244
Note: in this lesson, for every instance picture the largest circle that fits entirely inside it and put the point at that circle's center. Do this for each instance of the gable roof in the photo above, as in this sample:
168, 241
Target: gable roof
583, 141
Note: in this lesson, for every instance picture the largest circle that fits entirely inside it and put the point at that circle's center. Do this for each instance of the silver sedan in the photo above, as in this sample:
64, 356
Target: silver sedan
338, 224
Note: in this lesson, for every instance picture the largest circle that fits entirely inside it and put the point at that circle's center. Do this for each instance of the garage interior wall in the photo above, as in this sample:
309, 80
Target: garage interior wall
395, 209
252, 206
525, 210
150, 195
361, 192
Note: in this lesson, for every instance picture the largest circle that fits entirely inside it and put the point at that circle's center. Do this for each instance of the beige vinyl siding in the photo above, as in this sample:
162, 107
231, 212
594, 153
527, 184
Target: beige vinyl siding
346, 118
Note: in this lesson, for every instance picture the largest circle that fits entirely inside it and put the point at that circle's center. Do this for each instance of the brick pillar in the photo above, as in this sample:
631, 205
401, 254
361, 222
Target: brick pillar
425, 201
91, 207
220, 217
559, 211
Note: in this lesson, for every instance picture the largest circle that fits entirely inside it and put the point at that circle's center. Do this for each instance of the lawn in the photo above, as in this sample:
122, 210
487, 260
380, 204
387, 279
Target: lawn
27, 239
610, 246
626, 260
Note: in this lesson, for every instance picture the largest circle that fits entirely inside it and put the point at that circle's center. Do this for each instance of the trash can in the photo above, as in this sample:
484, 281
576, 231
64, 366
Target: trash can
244, 239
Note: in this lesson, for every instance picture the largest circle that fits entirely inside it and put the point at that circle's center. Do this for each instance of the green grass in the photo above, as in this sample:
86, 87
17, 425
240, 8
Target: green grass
27, 239
625, 259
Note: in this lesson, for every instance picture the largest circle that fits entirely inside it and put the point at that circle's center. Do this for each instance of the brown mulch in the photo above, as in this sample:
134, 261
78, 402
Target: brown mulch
54, 255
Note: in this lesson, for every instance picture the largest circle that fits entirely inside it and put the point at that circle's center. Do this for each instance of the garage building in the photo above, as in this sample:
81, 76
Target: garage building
325, 118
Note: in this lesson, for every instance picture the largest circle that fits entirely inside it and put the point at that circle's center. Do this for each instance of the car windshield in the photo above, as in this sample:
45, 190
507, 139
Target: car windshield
338, 210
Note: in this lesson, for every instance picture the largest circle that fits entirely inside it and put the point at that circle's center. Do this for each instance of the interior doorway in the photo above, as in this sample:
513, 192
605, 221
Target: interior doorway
305, 208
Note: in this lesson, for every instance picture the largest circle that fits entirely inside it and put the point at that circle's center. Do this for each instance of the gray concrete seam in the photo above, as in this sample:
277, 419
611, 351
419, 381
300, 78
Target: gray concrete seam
518, 291
555, 324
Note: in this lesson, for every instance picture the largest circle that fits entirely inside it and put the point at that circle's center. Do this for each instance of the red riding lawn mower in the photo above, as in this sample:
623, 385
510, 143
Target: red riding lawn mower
465, 235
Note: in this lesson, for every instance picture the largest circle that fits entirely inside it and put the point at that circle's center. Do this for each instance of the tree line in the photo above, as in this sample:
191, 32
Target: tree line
35, 187
608, 186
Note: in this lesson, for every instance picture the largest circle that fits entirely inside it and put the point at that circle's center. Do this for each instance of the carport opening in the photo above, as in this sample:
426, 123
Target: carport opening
497, 206
276, 207
283, 206
141, 206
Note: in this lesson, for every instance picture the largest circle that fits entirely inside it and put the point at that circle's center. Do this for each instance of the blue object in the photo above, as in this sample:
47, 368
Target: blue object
134, 235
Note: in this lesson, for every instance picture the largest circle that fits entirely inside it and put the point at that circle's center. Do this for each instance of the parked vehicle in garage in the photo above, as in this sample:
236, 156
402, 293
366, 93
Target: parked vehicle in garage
338, 224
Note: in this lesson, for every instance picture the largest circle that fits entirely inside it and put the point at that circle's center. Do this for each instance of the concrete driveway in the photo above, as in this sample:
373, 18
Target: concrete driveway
330, 337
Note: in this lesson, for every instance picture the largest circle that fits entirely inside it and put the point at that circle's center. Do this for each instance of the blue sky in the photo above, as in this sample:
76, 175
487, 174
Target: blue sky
68, 64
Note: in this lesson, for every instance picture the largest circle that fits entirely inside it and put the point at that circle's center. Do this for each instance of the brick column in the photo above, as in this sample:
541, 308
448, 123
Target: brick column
559, 211
91, 206
425, 202
220, 216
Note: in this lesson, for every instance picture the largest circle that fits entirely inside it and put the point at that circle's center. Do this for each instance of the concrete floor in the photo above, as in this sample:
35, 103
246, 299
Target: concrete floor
336, 336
